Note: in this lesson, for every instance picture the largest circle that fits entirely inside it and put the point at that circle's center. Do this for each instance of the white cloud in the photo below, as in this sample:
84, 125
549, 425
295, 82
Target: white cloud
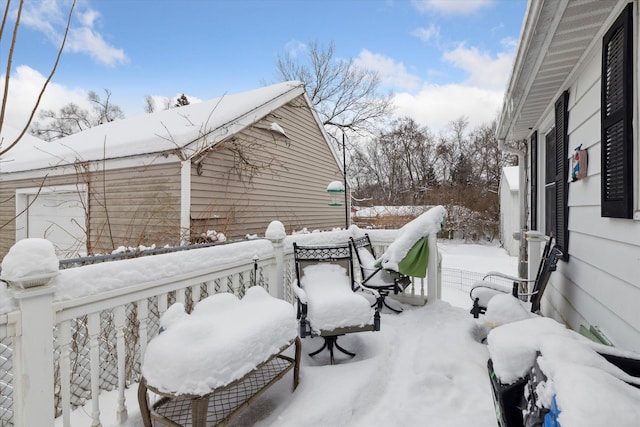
451, 7
484, 70
392, 73
86, 40
43, 16
25, 85
50, 18
428, 34
294, 47
478, 97
436, 106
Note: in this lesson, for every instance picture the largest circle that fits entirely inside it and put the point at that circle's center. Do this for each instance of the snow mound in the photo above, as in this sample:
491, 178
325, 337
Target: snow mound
30, 257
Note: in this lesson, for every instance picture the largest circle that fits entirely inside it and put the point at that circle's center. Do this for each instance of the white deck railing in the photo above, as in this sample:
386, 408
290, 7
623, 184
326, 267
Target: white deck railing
56, 353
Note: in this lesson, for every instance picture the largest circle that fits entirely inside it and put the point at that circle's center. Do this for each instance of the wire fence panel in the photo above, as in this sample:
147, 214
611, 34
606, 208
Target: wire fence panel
463, 280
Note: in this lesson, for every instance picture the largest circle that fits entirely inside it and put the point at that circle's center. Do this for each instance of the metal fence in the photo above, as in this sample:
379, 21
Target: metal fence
463, 280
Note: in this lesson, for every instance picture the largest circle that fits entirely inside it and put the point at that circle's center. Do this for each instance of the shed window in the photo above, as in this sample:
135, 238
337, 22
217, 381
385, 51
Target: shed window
616, 118
556, 174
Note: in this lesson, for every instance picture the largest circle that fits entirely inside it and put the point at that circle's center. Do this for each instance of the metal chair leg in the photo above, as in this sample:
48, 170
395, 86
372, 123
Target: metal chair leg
324, 345
329, 344
384, 301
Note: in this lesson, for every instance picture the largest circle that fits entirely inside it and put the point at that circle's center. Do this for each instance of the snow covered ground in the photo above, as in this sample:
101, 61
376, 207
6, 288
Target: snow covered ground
425, 366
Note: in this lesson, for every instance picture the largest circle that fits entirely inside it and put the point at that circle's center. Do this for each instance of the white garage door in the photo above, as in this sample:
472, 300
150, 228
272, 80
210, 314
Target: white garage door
60, 218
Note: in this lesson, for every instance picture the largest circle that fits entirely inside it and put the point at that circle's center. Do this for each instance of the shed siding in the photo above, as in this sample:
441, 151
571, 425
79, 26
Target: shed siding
600, 284
292, 189
141, 206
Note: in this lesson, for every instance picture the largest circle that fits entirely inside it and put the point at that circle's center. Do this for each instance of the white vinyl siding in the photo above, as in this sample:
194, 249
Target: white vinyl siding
600, 285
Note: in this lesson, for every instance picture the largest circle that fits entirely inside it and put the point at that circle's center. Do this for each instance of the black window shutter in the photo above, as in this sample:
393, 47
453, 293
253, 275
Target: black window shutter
534, 181
561, 178
550, 184
616, 118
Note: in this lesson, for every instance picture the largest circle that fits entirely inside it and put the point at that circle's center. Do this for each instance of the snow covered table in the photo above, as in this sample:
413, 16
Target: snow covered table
545, 374
204, 368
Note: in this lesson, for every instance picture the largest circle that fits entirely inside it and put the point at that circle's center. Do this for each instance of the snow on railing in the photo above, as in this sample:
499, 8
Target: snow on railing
98, 320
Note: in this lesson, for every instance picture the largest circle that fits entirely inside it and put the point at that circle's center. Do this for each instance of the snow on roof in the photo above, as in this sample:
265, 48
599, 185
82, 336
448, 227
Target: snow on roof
148, 134
512, 176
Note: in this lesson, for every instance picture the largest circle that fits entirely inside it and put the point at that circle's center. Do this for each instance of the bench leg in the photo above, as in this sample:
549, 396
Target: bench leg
199, 408
296, 367
144, 403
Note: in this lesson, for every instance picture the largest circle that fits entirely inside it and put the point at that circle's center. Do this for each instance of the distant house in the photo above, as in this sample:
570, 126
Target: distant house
232, 164
575, 84
509, 209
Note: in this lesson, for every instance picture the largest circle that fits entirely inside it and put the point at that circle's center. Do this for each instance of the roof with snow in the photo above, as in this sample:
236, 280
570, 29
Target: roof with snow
184, 129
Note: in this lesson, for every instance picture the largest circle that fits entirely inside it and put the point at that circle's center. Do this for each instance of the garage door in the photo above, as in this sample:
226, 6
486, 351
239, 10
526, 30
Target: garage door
60, 218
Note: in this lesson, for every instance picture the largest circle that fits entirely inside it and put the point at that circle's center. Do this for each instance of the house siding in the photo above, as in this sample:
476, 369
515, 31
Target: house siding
128, 207
600, 284
292, 189
509, 216
138, 198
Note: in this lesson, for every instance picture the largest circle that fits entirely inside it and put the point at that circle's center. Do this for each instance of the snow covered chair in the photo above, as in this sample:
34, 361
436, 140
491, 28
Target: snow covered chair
374, 276
406, 257
327, 304
482, 292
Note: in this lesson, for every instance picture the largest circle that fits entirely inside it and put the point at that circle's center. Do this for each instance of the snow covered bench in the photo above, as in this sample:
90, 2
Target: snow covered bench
204, 368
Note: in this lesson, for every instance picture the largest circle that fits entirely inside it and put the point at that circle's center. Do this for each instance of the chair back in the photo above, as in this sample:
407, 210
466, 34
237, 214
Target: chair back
545, 254
340, 254
364, 244
548, 266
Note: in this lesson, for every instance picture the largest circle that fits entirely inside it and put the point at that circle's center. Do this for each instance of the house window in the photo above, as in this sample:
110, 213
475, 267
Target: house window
616, 118
556, 182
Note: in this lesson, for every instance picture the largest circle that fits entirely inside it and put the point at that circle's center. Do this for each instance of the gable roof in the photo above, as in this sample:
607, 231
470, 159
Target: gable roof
178, 129
556, 36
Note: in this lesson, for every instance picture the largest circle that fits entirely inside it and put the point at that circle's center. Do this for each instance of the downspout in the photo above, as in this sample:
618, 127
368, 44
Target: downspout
185, 202
522, 170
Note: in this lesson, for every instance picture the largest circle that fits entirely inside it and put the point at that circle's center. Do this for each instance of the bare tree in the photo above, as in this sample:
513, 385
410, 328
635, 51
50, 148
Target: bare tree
71, 118
105, 111
4, 149
345, 96
149, 105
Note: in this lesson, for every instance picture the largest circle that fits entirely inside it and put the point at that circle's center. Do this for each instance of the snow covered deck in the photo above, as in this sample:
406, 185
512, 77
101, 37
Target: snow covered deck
426, 363
99, 318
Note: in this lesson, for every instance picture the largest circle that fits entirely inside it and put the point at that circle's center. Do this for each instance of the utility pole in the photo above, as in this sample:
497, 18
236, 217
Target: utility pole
346, 190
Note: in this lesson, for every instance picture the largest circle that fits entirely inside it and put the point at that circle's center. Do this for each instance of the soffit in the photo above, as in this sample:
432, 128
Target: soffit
556, 35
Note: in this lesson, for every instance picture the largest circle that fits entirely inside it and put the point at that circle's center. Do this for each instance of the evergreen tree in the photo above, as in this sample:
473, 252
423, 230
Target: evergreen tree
182, 101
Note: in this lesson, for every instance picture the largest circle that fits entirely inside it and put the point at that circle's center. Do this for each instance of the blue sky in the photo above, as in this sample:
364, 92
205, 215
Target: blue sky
442, 58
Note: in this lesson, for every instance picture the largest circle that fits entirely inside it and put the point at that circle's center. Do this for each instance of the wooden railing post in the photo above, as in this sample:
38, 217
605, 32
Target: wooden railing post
33, 375
276, 234
434, 290
535, 240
